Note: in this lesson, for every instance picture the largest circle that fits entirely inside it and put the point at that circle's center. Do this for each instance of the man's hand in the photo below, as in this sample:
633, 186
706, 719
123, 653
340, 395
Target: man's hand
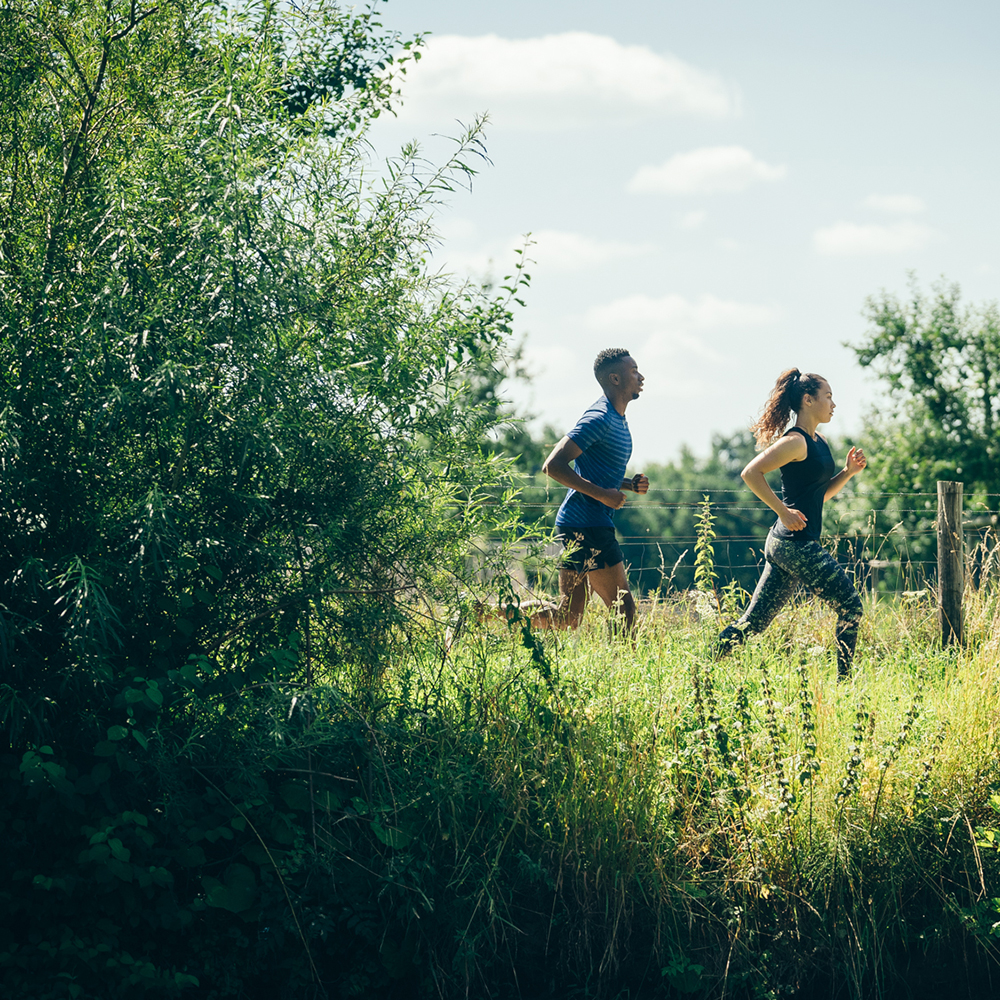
640, 484
612, 498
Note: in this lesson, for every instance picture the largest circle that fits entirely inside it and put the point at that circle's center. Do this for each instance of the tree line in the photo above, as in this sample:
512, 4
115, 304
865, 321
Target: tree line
936, 362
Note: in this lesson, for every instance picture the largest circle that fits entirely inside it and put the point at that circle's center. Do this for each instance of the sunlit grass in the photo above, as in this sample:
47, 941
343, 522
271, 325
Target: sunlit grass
757, 824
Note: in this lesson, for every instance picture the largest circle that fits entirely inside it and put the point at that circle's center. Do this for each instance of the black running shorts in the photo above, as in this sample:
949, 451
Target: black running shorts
589, 548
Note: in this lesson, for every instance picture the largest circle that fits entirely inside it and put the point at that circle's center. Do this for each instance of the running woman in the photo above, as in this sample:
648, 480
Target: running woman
600, 446
808, 477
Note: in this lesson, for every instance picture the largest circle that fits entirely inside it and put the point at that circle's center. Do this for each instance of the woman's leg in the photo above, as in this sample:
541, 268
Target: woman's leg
773, 591
823, 575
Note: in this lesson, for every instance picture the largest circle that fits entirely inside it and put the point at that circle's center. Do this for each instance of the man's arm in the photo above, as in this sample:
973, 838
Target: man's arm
637, 484
558, 468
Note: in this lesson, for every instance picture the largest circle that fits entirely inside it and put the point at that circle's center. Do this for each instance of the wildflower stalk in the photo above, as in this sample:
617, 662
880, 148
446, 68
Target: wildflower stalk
786, 796
849, 783
810, 763
898, 743
704, 554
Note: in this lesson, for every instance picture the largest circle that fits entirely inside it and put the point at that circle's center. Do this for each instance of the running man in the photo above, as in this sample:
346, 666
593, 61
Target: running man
600, 446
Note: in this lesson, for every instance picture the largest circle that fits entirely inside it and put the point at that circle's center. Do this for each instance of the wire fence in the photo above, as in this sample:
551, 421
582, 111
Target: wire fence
886, 541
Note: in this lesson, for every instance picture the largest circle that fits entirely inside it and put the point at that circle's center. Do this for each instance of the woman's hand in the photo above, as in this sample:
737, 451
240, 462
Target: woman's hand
856, 461
792, 519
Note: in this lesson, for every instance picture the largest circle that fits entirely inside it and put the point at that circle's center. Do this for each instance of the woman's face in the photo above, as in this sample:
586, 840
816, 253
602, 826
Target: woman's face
821, 406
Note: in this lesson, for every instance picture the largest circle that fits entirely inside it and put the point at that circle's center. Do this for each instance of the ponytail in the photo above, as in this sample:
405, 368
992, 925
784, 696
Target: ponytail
785, 399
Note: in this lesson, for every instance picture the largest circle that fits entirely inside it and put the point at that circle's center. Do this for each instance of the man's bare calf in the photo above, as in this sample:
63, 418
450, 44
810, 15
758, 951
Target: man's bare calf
609, 583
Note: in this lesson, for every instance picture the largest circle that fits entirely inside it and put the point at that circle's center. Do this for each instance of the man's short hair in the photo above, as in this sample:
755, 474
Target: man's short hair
607, 359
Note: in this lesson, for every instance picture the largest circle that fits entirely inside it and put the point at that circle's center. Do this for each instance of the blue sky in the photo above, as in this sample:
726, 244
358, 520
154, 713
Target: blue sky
717, 186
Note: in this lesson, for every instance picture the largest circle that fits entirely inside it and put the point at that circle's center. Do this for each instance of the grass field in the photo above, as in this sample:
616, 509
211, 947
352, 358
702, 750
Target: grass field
637, 820
519, 816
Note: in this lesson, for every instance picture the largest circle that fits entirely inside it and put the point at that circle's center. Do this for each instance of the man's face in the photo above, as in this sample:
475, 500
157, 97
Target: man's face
629, 378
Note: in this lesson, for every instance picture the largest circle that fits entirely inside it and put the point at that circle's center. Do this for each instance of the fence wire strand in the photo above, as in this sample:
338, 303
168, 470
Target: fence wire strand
869, 553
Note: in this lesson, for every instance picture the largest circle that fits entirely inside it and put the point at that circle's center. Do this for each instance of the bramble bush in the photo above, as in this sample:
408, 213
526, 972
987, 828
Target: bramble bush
238, 451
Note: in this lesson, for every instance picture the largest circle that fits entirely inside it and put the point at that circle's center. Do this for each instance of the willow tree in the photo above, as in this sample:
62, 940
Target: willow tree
239, 452
234, 404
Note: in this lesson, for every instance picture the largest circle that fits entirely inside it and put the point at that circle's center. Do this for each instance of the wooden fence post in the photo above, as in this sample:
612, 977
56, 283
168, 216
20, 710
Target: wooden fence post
951, 561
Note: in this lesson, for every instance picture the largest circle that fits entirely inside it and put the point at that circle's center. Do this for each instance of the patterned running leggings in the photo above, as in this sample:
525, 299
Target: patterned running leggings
790, 564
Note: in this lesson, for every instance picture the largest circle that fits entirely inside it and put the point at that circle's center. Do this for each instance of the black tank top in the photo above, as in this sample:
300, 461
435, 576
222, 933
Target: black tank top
803, 485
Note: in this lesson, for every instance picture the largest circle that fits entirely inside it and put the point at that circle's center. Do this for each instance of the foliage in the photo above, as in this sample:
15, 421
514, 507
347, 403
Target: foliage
238, 453
939, 362
511, 437
235, 402
624, 822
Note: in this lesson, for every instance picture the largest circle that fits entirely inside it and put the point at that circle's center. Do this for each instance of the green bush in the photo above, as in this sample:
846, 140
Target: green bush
239, 450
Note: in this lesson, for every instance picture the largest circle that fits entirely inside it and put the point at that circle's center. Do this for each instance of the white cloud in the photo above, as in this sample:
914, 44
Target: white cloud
574, 251
693, 220
644, 312
674, 325
900, 204
551, 250
709, 170
557, 81
853, 239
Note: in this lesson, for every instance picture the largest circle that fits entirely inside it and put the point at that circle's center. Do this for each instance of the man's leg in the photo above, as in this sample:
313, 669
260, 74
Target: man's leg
573, 594
611, 585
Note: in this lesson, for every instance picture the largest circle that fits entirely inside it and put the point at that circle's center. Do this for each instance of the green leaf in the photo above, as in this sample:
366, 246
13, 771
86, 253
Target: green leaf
237, 893
296, 796
391, 836
255, 852
117, 733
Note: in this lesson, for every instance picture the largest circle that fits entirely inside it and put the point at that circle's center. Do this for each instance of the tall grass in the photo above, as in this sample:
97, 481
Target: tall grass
635, 819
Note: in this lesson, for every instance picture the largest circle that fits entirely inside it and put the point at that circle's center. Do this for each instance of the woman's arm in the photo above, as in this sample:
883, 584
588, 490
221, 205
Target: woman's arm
791, 448
856, 461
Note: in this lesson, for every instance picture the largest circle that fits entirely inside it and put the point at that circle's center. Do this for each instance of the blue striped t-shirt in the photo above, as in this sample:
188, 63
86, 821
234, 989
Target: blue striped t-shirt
603, 437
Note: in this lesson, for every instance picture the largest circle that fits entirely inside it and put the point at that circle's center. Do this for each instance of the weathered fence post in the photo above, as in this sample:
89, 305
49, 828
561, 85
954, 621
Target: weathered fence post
951, 561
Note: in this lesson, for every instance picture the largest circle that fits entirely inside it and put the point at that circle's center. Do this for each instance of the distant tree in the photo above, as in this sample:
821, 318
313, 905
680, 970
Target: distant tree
939, 362
658, 531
